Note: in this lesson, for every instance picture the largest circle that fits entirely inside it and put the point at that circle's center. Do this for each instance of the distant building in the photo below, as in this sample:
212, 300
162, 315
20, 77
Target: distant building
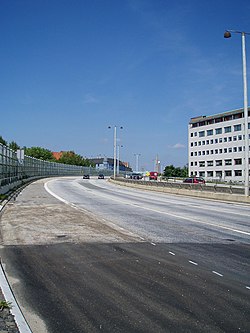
216, 146
105, 163
57, 155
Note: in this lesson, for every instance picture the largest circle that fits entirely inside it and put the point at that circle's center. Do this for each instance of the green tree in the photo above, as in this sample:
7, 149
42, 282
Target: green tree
2, 141
70, 157
14, 146
171, 171
40, 153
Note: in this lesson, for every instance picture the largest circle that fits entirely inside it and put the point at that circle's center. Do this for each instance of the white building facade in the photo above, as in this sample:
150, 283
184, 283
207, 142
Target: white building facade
216, 146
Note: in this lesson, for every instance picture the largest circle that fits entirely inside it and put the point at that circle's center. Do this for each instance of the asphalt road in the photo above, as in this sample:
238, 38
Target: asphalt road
89, 256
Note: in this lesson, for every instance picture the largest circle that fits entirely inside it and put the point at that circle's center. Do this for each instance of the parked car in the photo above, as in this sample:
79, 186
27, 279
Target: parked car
194, 180
85, 177
136, 175
100, 176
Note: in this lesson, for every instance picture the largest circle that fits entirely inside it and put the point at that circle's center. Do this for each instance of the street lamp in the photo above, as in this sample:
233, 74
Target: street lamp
115, 142
227, 34
137, 162
118, 158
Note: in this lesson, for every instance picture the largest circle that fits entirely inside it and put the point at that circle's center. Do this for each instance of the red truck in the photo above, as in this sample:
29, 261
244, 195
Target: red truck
153, 175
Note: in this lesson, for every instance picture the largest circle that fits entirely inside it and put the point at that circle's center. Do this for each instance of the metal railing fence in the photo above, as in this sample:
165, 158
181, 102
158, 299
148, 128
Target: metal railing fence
14, 172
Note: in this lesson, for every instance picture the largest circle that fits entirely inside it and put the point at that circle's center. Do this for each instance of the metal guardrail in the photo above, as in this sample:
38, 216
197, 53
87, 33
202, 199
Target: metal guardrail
230, 189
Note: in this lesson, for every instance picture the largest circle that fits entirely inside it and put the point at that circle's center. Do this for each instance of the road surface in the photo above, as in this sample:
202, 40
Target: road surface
90, 256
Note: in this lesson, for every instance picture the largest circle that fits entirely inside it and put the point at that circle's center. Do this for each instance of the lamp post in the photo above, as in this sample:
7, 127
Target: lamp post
115, 149
227, 34
118, 158
137, 162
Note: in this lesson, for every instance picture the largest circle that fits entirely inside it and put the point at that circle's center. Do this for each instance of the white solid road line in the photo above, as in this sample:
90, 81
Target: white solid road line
15, 310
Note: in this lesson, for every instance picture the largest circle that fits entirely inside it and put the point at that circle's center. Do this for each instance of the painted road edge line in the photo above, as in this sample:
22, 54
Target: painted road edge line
15, 310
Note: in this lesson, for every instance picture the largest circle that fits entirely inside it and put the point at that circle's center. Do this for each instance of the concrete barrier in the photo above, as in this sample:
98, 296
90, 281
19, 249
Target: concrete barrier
194, 191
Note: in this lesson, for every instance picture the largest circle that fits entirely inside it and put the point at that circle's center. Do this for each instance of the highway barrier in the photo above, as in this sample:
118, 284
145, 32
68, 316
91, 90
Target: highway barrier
16, 170
227, 192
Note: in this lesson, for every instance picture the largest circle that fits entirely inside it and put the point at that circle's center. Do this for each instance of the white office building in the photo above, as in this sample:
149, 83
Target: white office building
216, 146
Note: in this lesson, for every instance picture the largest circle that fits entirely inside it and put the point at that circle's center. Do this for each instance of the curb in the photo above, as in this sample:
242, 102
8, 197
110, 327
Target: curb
15, 309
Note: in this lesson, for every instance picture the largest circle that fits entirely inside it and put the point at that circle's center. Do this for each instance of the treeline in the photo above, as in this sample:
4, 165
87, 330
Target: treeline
171, 171
67, 157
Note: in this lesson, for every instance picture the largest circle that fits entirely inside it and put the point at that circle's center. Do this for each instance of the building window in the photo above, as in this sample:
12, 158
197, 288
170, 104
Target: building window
229, 150
220, 151
202, 173
239, 137
237, 161
202, 164
235, 138
192, 134
199, 143
195, 154
229, 139
218, 131
192, 154
211, 152
207, 142
216, 151
218, 162
237, 127
192, 144
220, 140
235, 149
195, 143
210, 132
225, 150
227, 129
210, 174
210, 163
239, 148
225, 139
211, 141
216, 141
201, 134
192, 163
228, 173
203, 142
218, 174
228, 162
207, 152
238, 173
218, 120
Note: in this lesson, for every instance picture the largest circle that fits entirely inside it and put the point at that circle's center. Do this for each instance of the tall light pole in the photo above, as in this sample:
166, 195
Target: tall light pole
227, 34
115, 149
137, 162
118, 158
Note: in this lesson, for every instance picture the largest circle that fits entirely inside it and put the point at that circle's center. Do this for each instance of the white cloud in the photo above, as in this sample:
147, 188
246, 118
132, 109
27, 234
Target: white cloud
89, 99
178, 146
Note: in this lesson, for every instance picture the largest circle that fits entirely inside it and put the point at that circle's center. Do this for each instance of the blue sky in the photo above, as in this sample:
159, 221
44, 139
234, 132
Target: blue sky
71, 68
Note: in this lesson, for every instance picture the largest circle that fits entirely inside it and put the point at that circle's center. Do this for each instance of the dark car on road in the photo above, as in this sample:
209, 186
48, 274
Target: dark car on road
194, 180
85, 177
100, 176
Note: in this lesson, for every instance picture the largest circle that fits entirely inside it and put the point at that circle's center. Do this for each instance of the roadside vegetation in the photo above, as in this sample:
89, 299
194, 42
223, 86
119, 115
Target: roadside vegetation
171, 171
67, 157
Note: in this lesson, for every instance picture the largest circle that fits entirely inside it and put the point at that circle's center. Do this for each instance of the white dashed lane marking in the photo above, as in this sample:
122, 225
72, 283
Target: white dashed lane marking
217, 273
